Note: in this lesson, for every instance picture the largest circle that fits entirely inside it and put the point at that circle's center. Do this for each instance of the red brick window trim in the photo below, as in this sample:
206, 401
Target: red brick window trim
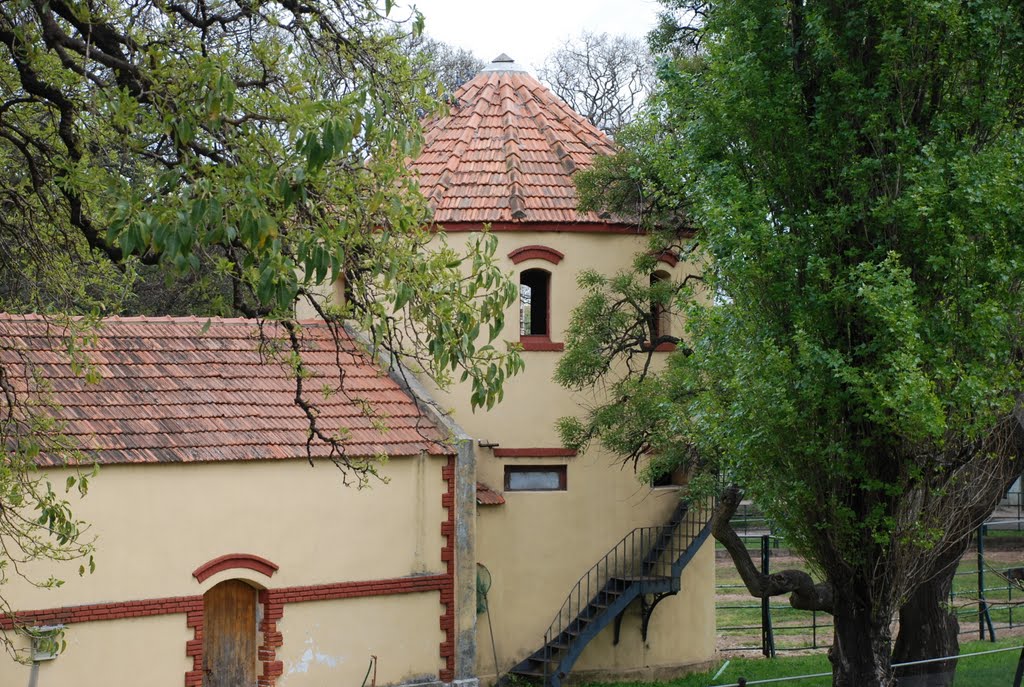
534, 452
668, 257
535, 253
234, 560
540, 342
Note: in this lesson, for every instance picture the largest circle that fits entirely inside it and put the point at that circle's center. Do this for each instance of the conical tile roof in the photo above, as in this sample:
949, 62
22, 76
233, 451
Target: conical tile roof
506, 153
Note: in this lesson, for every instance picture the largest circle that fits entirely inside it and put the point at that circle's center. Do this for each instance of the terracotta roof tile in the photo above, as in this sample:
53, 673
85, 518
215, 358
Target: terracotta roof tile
506, 152
170, 392
485, 496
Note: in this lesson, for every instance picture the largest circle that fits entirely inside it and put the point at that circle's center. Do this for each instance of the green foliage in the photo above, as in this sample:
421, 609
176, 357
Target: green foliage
250, 151
853, 170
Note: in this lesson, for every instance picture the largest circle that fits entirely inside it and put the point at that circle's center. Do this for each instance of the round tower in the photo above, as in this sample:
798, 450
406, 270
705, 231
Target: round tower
504, 158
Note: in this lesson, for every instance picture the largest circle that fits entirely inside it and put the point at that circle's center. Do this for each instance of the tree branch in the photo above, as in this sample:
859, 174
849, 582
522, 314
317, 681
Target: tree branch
805, 594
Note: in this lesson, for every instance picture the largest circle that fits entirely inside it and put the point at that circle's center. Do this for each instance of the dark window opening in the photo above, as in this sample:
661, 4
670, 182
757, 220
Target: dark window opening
663, 480
534, 296
535, 478
660, 315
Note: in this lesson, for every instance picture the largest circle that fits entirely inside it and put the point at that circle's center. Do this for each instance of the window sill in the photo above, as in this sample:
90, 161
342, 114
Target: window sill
534, 342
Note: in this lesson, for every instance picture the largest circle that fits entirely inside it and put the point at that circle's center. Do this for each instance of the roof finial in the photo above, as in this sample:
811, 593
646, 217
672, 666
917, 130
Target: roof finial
504, 63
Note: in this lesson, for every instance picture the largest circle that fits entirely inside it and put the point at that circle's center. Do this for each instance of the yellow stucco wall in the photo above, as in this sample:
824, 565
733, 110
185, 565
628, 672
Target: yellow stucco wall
330, 642
155, 524
133, 651
537, 545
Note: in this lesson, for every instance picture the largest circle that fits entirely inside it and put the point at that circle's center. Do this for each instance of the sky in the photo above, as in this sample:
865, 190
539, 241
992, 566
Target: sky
529, 30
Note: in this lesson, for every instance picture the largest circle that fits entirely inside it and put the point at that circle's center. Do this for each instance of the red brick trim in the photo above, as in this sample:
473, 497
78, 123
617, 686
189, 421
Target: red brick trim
668, 257
194, 647
273, 601
447, 674
106, 611
349, 590
234, 560
534, 452
556, 227
266, 653
539, 342
535, 253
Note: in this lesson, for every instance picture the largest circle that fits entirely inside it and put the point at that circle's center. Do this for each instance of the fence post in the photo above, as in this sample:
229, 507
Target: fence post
983, 615
767, 636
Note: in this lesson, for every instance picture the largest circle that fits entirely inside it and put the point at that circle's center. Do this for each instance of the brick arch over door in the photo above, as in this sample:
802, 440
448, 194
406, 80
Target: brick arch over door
535, 252
235, 627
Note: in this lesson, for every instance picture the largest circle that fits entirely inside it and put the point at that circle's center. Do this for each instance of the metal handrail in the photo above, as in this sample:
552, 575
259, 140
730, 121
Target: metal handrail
644, 553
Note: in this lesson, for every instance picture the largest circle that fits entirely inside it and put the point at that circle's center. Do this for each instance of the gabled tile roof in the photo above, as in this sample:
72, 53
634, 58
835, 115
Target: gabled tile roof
507, 152
170, 392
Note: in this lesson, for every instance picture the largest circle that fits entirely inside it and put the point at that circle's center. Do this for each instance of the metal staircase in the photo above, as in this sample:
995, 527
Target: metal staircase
645, 565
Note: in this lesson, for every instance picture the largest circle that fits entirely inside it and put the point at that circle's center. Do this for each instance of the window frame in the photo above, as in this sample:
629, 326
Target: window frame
561, 470
546, 333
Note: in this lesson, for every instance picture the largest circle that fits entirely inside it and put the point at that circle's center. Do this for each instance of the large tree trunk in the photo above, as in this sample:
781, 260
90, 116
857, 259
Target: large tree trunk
860, 652
931, 632
929, 629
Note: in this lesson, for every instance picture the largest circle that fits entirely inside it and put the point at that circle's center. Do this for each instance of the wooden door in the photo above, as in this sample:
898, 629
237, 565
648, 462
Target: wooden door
229, 635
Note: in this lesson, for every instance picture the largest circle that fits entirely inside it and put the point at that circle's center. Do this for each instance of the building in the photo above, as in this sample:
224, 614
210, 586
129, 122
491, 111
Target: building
504, 158
224, 554
206, 499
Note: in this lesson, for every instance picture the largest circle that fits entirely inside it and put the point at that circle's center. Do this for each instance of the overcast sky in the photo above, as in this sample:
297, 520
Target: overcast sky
529, 30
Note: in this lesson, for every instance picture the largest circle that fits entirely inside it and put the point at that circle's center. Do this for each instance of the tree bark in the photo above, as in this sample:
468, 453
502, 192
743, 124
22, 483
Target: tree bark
929, 629
860, 648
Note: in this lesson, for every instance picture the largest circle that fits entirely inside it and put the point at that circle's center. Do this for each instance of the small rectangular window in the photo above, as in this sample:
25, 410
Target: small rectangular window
534, 478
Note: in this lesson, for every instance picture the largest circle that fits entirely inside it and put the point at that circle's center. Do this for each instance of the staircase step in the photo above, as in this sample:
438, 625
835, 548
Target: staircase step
533, 672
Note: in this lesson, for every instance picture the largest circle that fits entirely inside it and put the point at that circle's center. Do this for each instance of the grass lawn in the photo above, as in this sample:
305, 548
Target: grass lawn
975, 671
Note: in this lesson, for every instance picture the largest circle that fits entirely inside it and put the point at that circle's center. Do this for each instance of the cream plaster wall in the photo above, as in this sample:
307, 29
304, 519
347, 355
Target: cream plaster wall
133, 651
155, 524
537, 545
330, 642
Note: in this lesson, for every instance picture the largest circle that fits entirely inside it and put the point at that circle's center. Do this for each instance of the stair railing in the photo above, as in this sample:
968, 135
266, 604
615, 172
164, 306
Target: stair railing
644, 553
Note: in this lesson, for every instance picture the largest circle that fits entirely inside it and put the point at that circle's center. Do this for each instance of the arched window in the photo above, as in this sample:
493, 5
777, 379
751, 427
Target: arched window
534, 299
660, 316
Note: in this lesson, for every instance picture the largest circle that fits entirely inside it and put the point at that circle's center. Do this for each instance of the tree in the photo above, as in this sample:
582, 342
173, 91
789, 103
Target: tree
445, 67
852, 355
604, 78
263, 142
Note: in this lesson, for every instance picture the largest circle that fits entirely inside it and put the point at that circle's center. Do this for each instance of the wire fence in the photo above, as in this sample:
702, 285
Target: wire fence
988, 587
1004, 666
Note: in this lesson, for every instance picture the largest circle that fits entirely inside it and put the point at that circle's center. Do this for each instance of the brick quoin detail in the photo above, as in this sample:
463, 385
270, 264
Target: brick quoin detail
447, 588
194, 646
266, 653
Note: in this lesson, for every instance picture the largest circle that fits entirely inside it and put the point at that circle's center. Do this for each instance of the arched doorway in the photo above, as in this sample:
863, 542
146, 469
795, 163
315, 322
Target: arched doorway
229, 635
